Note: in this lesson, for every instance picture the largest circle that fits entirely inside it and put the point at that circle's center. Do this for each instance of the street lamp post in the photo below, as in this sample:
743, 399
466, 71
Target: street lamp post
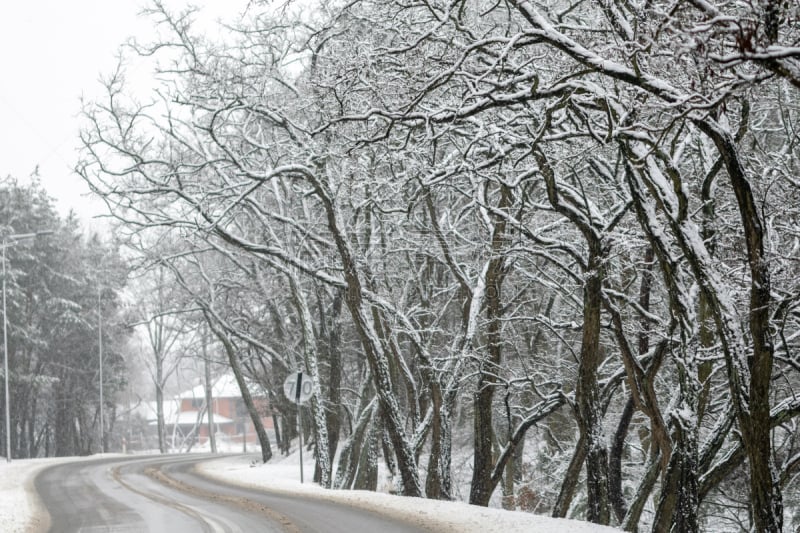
5, 361
10, 240
100, 357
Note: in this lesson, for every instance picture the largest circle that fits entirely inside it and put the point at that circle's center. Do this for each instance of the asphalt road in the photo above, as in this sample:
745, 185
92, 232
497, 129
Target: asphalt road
164, 494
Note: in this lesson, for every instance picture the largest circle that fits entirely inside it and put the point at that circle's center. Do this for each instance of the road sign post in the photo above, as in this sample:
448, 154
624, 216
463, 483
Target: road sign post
298, 388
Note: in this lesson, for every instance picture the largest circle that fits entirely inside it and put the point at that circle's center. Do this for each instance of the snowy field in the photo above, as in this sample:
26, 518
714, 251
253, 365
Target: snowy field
18, 502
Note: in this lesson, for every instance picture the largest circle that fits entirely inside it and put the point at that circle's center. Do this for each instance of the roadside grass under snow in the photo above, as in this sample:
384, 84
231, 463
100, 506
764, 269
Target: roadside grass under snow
20, 510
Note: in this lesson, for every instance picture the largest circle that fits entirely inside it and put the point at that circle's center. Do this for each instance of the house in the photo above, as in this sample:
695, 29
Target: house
186, 419
232, 422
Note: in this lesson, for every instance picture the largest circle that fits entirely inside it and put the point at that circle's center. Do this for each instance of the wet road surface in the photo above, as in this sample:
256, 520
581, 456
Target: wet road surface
164, 494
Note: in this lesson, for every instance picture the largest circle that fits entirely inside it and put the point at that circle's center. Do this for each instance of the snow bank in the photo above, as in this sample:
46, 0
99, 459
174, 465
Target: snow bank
283, 475
17, 497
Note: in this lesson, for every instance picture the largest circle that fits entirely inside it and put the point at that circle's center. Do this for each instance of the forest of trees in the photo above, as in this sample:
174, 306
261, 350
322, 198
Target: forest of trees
562, 237
60, 288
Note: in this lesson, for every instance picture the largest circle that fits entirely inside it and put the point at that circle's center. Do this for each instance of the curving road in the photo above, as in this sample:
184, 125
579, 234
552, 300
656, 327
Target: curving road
164, 494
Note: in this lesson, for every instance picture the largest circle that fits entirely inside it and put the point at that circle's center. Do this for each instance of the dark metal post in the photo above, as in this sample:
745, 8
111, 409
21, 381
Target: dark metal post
297, 390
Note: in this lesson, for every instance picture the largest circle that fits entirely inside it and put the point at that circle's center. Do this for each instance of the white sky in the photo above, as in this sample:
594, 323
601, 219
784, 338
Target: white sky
51, 53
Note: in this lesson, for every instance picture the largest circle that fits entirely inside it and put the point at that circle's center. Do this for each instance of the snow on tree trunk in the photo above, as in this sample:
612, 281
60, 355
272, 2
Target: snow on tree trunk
587, 394
373, 348
754, 408
437, 482
310, 360
481, 487
351, 450
748, 380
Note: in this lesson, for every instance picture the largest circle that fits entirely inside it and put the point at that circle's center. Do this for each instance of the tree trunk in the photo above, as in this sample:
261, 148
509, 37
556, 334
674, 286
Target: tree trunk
754, 416
373, 349
161, 427
366, 471
570, 482
615, 495
351, 451
236, 367
677, 508
437, 483
482, 487
212, 439
332, 415
631, 521
615, 465
587, 394
587, 401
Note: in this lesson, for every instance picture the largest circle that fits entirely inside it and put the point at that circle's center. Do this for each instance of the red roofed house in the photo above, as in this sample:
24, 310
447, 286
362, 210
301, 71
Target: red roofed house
231, 420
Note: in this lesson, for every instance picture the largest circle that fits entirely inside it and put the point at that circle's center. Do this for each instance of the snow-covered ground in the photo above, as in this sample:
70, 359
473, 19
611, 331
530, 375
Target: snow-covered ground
18, 501
283, 474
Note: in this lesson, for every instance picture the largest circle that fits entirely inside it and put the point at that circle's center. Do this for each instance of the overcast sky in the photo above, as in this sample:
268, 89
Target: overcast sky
51, 53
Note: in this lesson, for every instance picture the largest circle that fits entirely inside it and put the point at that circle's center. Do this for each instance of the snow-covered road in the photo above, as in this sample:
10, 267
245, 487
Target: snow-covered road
19, 503
162, 494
